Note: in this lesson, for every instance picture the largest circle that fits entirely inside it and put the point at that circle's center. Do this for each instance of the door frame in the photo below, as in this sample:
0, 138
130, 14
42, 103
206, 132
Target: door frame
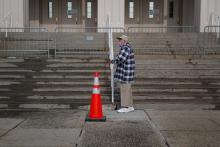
93, 21
59, 14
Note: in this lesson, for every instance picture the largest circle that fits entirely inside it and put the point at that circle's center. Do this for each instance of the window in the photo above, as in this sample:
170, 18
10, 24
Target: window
151, 9
69, 10
89, 9
171, 9
131, 9
50, 8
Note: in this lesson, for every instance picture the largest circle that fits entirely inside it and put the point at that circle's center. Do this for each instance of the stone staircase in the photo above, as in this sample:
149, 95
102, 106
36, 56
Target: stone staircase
161, 76
50, 81
177, 79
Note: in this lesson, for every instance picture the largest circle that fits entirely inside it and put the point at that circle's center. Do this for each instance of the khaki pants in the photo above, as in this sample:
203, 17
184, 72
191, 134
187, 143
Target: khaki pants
126, 97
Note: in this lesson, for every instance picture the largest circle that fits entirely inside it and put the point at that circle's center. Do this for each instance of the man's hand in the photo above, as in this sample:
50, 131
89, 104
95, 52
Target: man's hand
112, 62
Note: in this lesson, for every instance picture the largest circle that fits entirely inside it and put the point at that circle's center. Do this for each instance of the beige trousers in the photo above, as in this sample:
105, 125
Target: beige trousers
126, 95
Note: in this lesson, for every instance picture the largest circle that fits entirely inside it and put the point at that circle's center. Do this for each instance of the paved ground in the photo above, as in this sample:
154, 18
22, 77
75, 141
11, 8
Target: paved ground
128, 130
188, 128
152, 125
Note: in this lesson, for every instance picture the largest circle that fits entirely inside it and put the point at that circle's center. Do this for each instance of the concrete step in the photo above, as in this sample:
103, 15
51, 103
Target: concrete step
57, 68
176, 86
179, 94
73, 60
166, 60
174, 99
177, 67
75, 94
139, 82
178, 80
81, 56
88, 76
66, 101
153, 56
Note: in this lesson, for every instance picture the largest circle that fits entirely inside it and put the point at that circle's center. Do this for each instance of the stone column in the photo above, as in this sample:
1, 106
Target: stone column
165, 3
83, 12
26, 13
114, 8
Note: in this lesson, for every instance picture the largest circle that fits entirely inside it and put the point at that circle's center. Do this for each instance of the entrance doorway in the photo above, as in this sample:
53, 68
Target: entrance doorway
143, 11
91, 13
56, 13
174, 12
181, 13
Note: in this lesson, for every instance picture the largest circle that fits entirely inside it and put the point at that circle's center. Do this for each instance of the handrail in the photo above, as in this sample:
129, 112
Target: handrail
211, 28
23, 40
216, 21
214, 29
111, 55
162, 29
24, 29
89, 29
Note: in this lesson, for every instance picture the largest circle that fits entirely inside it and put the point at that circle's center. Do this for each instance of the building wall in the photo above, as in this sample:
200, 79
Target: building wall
200, 16
114, 8
16, 8
208, 7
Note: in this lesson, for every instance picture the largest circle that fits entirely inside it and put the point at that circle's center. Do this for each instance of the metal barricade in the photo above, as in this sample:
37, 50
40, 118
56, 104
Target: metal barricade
212, 29
72, 41
213, 37
163, 29
170, 40
89, 29
24, 42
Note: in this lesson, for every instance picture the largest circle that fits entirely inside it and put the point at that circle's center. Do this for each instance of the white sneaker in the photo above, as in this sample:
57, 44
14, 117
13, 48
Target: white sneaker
131, 109
125, 110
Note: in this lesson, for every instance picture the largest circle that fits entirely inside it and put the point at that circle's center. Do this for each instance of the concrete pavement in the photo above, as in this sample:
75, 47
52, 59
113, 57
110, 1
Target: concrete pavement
188, 128
152, 125
128, 130
45, 129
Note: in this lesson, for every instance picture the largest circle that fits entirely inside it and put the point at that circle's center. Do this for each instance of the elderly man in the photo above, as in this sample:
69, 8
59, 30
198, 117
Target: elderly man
124, 73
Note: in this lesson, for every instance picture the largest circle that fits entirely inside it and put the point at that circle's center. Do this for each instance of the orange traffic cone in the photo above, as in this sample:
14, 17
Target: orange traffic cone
96, 103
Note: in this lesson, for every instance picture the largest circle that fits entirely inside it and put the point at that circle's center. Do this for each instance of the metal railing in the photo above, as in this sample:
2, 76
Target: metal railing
184, 44
89, 29
213, 38
20, 29
212, 29
163, 29
21, 42
92, 39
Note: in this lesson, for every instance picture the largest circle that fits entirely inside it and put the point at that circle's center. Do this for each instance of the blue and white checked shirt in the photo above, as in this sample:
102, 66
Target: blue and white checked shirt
125, 64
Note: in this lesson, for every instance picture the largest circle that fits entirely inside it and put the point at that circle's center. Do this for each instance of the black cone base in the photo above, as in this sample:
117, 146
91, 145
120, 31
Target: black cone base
88, 119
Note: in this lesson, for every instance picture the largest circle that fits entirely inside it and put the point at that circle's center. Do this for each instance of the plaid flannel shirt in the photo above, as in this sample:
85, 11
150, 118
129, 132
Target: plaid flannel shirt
125, 64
